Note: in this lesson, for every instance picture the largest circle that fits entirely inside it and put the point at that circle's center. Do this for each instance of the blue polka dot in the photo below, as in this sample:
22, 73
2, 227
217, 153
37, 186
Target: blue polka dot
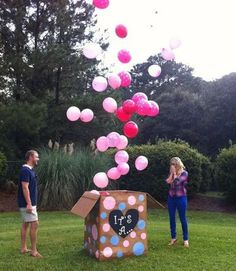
85, 245
138, 249
122, 206
103, 239
141, 197
141, 224
119, 254
114, 240
103, 215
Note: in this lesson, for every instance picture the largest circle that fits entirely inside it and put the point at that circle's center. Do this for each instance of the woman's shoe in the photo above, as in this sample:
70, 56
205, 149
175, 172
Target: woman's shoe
172, 242
186, 243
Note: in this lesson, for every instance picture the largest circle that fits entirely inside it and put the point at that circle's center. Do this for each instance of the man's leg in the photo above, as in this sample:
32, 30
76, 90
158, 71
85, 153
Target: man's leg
24, 229
33, 238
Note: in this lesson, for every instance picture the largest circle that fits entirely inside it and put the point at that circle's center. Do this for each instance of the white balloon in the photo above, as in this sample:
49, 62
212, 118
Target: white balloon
174, 43
99, 83
92, 50
154, 70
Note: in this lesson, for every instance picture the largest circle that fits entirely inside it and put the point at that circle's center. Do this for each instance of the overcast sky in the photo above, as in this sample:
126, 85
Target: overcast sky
206, 29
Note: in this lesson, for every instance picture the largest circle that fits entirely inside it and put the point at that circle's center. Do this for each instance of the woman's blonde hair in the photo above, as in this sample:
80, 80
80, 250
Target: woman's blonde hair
177, 162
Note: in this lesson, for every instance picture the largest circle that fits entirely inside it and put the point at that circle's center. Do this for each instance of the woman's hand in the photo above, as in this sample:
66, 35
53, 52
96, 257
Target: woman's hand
172, 170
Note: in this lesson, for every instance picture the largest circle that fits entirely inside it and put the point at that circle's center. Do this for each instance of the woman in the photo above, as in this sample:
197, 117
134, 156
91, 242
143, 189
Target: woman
177, 198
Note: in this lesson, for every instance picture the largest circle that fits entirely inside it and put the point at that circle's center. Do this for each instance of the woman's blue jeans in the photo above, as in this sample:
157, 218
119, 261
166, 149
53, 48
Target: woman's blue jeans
179, 203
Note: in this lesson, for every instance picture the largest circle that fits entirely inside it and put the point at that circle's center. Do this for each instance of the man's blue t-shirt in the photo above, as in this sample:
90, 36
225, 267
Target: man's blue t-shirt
27, 175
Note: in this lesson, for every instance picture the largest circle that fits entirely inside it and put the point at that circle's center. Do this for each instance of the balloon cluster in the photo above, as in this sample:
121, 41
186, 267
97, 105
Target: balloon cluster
73, 114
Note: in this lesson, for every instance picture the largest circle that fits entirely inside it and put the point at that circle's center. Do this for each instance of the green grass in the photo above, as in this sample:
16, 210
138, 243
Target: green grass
212, 245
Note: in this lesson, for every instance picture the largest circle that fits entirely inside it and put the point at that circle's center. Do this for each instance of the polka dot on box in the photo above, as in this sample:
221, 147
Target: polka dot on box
109, 203
103, 215
133, 234
103, 239
143, 236
141, 208
122, 206
138, 249
119, 254
94, 232
141, 197
107, 252
114, 240
97, 254
126, 243
131, 200
106, 227
141, 224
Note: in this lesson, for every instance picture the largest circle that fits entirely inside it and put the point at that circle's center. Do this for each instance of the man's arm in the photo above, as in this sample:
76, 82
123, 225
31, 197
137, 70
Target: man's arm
26, 193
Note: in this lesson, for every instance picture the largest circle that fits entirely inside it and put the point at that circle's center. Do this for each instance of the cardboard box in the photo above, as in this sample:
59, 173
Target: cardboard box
115, 222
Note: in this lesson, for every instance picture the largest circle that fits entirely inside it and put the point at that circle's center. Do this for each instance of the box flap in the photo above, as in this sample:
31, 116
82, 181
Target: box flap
85, 204
152, 203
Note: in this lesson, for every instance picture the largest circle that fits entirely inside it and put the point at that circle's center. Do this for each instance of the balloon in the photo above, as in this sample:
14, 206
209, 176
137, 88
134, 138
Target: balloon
130, 129
95, 192
99, 83
174, 43
122, 115
167, 54
102, 4
114, 81
129, 106
113, 139
154, 70
124, 56
154, 110
123, 143
125, 78
109, 105
113, 173
143, 107
121, 31
139, 96
102, 143
121, 157
141, 162
92, 50
86, 115
123, 168
73, 113
100, 180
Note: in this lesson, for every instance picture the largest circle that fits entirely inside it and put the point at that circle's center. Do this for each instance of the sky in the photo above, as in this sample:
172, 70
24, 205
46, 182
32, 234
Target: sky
206, 29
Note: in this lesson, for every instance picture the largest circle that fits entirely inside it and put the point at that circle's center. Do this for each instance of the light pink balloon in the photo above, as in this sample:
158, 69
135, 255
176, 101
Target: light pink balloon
114, 81
73, 113
154, 110
102, 143
121, 157
91, 50
143, 107
141, 162
99, 83
121, 31
174, 43
113, 173
139, 96
123, 168
102, 4
86, 115
109, 105
113, 139
125, 78
167, 54
124, 56
123, 143
100, 180
154, 70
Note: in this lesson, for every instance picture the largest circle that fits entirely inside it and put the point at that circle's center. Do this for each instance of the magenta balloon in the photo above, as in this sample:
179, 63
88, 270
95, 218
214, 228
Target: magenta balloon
125, 78
121, 157
123, 143
154, 110
102, 143
129, 106
141, 162
167, 54
102, 4
114, 81
99, 83
123, 168
113, 173
100, 180
86, 115
143, 107
139, 96
73, 113
121, 31
113, 139
109, 105
124, 56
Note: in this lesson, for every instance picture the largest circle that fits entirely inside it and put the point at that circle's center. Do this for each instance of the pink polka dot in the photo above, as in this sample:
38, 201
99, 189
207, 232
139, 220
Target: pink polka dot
89, 240
126, 243
109, 203
143, 235
106, 227
131, 200
141, 208
107, 252
94, 232
97, 254
133, 234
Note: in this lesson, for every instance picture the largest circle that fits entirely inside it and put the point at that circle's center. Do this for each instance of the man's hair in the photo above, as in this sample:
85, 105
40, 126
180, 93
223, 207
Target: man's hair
29, 153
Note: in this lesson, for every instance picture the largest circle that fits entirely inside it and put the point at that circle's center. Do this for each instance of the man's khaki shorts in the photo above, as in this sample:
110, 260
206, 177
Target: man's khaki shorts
29, 217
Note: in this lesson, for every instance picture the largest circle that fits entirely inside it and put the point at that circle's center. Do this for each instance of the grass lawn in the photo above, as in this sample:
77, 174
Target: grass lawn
212, 245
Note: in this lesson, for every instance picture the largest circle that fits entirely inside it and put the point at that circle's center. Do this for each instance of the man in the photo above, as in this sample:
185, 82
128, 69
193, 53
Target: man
27, 202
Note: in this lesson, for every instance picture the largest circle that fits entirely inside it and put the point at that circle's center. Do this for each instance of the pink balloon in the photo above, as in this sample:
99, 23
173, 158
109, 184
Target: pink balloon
139, 96
154, 110
113, 173
124, 56
143, 107
92, 50
109, 105
129, 106
121, 31
141, 162
123, 168
99, 83
114, 81
174, 43
113, 139
86, 115
73, 113
102, 143
125, 78
102, 4
154, 70
167, 54
123, 143
100, 180
121, 157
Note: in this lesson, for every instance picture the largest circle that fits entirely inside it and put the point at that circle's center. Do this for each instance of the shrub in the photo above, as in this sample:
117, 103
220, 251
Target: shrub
3, 167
